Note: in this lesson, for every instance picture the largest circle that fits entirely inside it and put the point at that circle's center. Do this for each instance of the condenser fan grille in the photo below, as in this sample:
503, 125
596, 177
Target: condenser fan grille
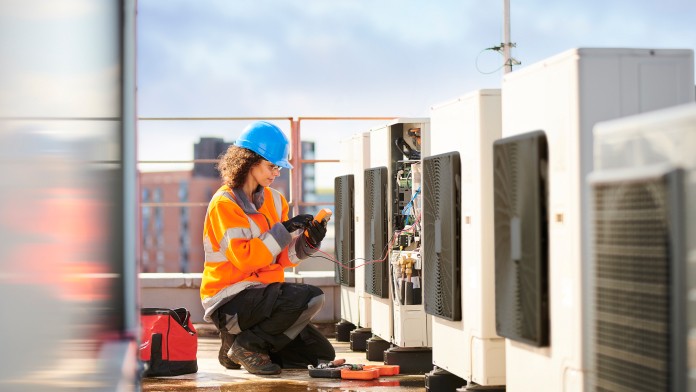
345, 231
521, 238
376, 273
633, 284
441, 232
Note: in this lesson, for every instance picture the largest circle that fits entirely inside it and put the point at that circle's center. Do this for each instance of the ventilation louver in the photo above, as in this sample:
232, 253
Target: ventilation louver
345, 229
441, 235
638, 326
521, 238
376, 273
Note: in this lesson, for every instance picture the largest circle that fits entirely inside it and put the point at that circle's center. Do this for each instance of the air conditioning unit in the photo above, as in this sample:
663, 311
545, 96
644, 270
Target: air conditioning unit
641, 285
344, 204
638, 281
376, 232
397, 146
441, 250
520, 188
659, 137
355, 303
458, 178
564, 97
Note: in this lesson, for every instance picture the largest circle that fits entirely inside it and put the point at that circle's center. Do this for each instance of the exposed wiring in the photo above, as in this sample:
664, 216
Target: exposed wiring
499, 49
407, 209
332, 259
495, 48
389, 245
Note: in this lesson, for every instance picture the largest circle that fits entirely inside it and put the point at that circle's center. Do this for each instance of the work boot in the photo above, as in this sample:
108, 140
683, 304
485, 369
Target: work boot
254, 362
225, 349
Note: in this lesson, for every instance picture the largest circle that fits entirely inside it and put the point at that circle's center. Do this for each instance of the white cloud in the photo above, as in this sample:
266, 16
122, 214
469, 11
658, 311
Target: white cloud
386, 57
232, 60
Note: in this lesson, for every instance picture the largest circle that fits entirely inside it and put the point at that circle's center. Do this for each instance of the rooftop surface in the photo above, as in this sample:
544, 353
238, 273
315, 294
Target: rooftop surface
212, 376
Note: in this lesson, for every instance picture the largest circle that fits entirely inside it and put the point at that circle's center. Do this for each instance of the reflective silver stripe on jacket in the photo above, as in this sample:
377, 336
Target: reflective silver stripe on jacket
278, 202
211, 255
271, 244
254, 231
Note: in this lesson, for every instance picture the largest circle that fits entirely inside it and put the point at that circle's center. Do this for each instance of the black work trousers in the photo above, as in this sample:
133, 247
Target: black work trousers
275, 319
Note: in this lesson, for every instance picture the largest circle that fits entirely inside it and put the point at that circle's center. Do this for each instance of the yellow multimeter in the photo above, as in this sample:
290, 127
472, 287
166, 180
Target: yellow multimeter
322, 216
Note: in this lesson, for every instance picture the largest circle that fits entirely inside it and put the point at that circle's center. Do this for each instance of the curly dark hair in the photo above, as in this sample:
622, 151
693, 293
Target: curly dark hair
235, 164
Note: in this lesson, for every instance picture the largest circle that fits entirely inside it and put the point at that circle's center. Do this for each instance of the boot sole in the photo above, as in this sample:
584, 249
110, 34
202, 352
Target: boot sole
250, 369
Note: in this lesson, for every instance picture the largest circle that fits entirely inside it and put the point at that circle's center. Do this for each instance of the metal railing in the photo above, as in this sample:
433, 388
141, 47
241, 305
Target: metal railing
295, 198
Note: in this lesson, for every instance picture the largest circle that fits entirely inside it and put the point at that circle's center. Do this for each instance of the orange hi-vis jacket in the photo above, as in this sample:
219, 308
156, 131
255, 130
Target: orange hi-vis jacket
246, 244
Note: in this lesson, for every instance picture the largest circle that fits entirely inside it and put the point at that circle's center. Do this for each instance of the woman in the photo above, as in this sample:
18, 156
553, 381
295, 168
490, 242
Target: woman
249, 241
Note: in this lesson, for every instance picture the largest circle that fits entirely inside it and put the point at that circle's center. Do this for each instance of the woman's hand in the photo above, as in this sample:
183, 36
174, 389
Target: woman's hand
315, 232
298, 222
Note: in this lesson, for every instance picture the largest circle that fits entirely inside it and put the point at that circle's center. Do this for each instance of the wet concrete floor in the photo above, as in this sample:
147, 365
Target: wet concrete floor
212, 376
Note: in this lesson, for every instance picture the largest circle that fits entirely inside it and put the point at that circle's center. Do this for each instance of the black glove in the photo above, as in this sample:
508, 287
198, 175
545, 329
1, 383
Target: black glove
315, 232
298, 222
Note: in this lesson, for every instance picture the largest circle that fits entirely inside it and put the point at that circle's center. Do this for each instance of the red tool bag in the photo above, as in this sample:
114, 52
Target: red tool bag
169, 342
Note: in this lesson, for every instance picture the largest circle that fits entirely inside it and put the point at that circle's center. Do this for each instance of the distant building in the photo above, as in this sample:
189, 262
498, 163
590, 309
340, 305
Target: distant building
172, 232
208, 148
174, 206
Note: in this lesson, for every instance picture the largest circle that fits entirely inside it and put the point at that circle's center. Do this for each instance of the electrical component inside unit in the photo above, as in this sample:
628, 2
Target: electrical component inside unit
405, 262
415, 134
406, 276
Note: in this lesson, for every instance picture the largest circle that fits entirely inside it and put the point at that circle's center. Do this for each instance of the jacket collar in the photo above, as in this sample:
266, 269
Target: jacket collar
249, 206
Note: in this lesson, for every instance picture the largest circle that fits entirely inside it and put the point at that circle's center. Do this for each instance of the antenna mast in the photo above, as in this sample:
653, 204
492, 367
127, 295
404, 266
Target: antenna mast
507, 45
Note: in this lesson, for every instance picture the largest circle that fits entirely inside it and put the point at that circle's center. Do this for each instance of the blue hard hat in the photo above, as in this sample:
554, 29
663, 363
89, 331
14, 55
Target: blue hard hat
266, 140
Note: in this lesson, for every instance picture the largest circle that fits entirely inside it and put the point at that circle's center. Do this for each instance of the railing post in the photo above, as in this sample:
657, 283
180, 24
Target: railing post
296, 161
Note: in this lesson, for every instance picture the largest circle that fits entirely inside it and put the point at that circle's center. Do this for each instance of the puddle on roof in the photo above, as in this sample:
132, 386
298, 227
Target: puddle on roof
258, 385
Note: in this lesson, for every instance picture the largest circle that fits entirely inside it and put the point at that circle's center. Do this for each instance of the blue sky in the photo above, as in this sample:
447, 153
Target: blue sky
357, 58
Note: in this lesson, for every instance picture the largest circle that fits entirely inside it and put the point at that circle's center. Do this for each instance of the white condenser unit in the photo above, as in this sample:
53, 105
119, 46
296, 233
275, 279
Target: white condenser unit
542, 243
641, 283
460, 291
344, 224
355, 303
397, 309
